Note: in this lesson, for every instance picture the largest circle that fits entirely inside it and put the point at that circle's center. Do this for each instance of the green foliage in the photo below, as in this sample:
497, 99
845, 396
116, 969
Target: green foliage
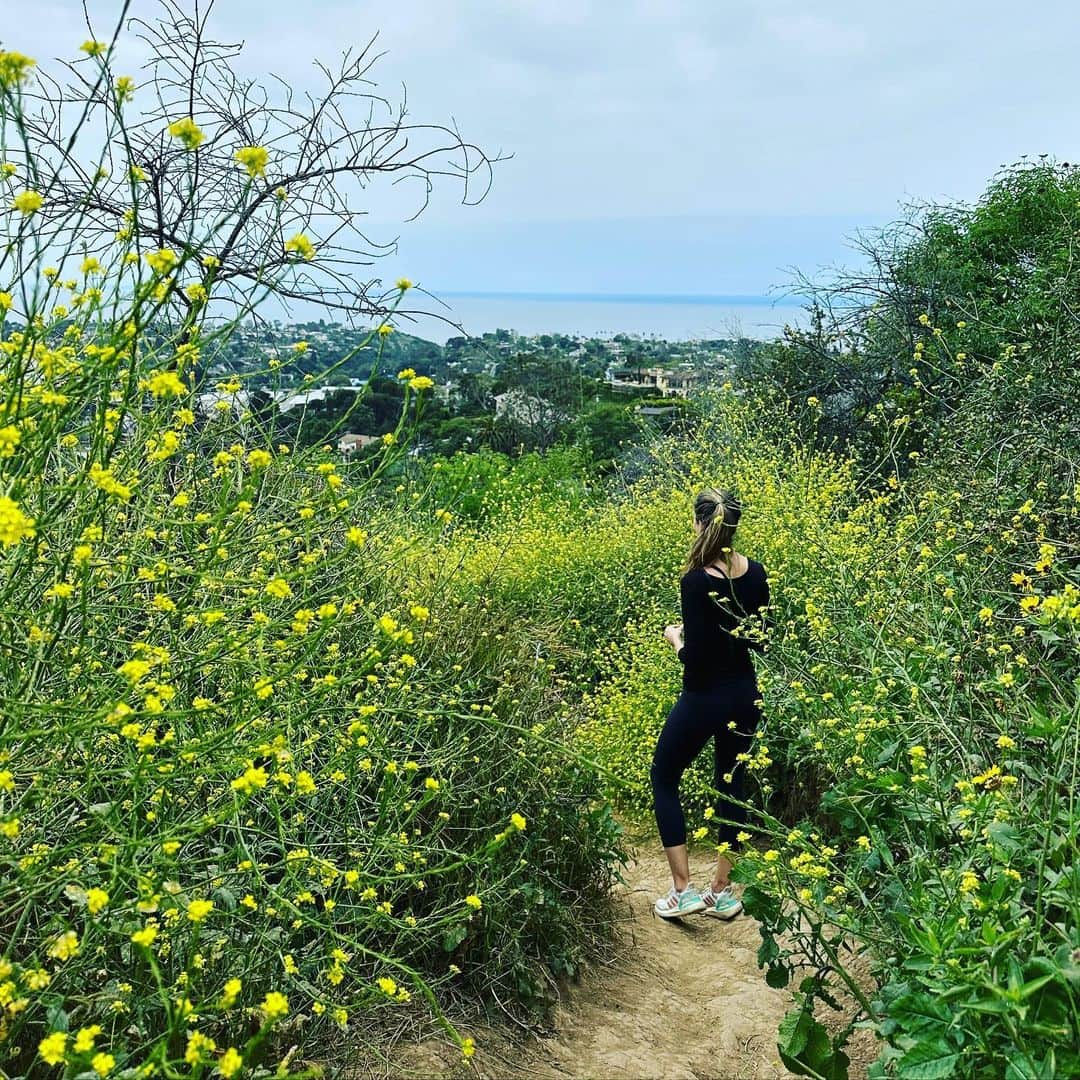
920, 713
284, 745
482, 485
959, 342
272, 764
602, 430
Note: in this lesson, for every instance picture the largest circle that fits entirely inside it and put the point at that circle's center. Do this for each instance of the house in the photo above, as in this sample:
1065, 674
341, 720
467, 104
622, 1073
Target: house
668, 382
289, 399
350, 442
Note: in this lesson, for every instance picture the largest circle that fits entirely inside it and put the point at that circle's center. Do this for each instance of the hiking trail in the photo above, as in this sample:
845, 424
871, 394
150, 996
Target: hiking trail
682, 1000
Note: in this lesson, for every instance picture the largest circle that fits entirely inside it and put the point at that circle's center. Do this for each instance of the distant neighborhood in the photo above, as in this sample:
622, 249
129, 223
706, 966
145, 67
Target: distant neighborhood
331, 383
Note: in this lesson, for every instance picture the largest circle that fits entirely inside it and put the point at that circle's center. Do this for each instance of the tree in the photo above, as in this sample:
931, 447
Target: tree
963, 325
602, 429
211, 192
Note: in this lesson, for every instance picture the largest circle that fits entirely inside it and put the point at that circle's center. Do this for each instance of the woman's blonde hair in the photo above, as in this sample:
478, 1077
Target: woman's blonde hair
719, 511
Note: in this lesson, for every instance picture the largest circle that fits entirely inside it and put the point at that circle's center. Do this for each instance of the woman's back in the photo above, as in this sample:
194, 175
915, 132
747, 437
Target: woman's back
715, 646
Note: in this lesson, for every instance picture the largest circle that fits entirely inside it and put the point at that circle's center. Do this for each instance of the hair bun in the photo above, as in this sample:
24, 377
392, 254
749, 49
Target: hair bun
729, 507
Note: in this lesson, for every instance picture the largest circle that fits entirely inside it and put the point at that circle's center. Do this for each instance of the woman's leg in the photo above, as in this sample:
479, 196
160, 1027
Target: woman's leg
685, 732
732, 739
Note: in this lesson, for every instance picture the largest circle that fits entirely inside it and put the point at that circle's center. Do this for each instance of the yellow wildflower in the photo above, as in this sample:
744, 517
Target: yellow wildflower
65, 946
146, 935
197, 910
84, 1040
161, 261
14, 524
302, 245
27, 202
253, 158
102, 1064
187, 131
275, 1005
14, 69
230, 1063
52, 1048
163, 383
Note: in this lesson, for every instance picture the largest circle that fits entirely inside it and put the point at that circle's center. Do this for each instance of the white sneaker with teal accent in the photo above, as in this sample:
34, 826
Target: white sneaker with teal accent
676, 904
721, 905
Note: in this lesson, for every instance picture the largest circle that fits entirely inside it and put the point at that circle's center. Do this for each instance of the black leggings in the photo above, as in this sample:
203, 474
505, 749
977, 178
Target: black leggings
695, 717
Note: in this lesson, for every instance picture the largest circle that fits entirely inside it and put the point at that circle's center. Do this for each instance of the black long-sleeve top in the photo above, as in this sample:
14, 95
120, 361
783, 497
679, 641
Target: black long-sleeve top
711, 651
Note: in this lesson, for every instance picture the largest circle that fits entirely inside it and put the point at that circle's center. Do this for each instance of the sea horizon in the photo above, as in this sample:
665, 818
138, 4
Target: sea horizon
670, 316
742, 299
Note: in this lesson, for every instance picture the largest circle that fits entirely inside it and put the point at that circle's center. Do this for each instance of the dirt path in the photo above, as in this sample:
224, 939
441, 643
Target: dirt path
684, 999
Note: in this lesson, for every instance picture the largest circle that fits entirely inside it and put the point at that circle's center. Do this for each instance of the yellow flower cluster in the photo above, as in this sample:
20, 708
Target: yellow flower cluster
14, 524
27, 202
14, 69
188, 132
301, 244
253, 158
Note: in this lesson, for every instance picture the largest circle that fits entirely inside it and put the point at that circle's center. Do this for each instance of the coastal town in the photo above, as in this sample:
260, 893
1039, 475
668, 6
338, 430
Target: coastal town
311, 378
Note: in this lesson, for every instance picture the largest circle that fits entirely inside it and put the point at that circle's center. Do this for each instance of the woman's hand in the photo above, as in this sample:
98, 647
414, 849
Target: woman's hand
673, 635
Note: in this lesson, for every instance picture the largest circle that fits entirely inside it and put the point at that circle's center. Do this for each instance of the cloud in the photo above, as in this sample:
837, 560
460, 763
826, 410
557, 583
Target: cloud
639, 109
816, 36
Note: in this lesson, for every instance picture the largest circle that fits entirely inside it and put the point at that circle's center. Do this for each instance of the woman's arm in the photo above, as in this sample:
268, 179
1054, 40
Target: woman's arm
695, 622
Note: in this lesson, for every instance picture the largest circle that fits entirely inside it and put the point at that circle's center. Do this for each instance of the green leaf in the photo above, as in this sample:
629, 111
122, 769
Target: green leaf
778, 976
1006, 836
454, 937
1029, 988
806, 1050
920, 1012
1022, 1067
933, 1059
768, 951
793, 1033
57, 1018
226, 896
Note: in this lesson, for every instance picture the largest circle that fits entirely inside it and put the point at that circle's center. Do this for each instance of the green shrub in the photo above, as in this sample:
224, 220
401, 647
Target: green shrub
266, 768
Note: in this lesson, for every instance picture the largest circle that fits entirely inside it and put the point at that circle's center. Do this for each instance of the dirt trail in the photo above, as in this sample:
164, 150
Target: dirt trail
684, 999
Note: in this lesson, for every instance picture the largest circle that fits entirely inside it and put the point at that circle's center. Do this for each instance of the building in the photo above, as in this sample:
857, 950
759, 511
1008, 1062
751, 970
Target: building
289, 399
351, 442
667, 382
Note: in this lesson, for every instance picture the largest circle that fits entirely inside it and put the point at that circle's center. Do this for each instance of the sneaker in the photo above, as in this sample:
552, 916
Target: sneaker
723, 904
676, 904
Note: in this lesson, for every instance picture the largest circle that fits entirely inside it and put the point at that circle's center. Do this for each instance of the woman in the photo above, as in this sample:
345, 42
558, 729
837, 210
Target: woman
723, 594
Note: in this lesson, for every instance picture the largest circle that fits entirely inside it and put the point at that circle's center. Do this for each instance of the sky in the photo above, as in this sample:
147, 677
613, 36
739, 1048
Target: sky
662, 146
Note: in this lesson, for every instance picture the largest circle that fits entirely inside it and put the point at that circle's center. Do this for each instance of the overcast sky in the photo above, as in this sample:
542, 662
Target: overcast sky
667, 146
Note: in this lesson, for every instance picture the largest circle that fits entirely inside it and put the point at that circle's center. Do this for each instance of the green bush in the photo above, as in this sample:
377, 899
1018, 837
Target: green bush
268, 764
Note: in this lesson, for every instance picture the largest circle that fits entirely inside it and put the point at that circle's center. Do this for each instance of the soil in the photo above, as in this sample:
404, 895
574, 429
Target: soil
683, 998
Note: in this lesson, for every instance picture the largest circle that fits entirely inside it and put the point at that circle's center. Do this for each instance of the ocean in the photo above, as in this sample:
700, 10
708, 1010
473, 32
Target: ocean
674, 318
